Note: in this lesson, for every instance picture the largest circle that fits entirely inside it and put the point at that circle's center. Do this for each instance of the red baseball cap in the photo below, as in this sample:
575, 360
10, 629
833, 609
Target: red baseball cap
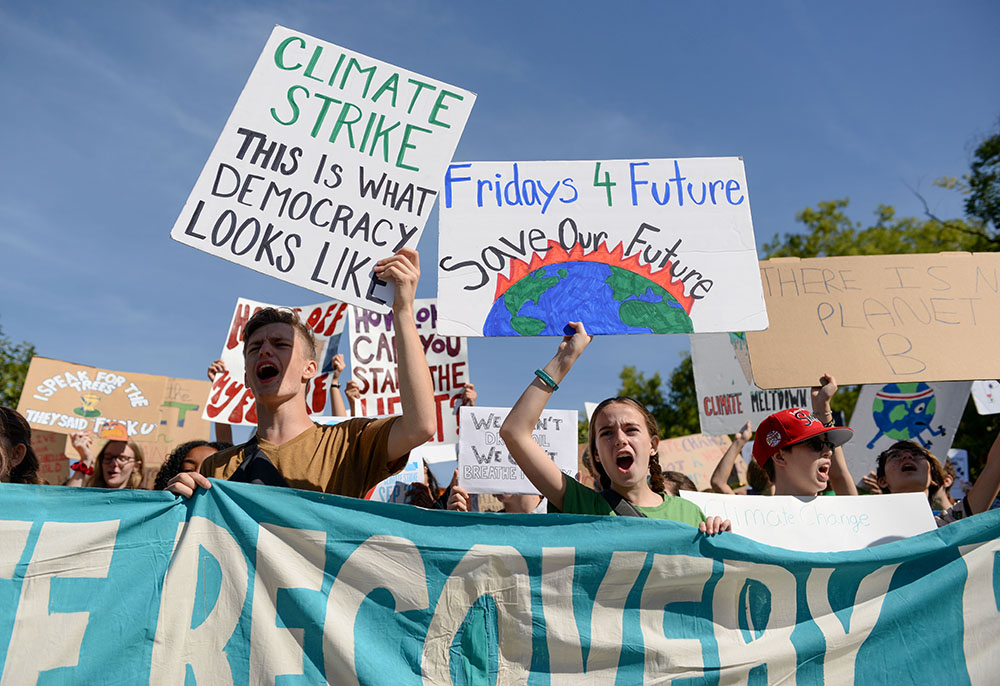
792, 426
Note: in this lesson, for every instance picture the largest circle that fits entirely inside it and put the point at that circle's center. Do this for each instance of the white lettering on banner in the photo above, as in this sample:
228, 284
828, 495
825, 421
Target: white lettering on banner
672, 579
841, 645
501, 573
400, 571
606, 618
981, 610
732, 605
176, 644
286, 558
52, 639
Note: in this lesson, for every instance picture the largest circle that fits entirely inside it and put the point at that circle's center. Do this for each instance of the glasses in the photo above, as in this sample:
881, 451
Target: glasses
120, 459
900, 453
818, 444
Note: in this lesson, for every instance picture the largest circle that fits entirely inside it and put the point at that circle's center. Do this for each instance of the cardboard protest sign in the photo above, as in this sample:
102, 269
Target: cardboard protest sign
925, 413
53, 460
696, 457
986, 395
485, 465
373, 365
157, 412
232, 402
625, 246
820, 524
330, 161
727, 395
878, 319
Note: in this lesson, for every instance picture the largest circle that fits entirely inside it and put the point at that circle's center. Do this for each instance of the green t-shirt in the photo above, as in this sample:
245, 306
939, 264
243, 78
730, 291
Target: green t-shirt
579, 499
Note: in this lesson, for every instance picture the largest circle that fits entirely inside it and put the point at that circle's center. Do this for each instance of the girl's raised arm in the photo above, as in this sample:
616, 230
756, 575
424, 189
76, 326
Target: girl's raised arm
520, 423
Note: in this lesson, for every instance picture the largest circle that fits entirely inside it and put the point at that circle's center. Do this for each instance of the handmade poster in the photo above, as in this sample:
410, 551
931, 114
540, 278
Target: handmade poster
878, 319
986, 395
158, 412
625, 246
961, 485
53, 460
231, 401
925, 413
393, 489
696, 457
820, 524
329, 162
246, 584
485, 465
373, 365
727, 395
441, 460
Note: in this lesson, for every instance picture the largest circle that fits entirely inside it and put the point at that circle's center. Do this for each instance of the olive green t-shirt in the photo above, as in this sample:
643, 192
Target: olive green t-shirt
578, 499
343, 459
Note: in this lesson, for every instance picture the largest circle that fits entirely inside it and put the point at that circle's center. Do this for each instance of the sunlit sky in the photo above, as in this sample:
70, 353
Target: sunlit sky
112, 108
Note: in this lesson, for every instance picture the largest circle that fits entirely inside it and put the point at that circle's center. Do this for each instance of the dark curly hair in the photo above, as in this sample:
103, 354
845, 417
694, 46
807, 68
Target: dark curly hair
172, 465
14, 431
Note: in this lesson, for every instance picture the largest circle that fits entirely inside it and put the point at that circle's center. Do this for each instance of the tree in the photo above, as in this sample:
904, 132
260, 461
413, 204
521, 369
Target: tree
14, 362
983, 183
677, 412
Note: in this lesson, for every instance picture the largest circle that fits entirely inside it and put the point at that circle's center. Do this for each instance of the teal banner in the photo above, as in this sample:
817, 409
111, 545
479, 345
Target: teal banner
248, 584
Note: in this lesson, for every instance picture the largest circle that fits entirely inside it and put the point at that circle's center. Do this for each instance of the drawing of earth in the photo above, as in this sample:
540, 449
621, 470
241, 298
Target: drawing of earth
607, 299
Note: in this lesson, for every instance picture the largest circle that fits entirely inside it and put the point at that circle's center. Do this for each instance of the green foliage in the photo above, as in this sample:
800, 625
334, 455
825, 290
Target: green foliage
14, 361
983, 183
676, 411
830, 231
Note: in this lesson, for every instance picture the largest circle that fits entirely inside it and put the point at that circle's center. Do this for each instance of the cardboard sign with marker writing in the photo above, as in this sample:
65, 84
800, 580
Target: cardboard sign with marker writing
696, 456
878, 319
330, 161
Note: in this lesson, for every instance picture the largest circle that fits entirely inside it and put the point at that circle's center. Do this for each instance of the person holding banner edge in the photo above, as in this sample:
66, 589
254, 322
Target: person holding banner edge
623, 436
288, 448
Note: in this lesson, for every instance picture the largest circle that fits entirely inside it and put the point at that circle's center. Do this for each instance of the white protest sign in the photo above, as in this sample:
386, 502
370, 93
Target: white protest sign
330, 161
986, 395
393, 489
485, 465
820, 524
373, 365
441, 460
232, 402
625, 246
960, 486
727, 396
925, 413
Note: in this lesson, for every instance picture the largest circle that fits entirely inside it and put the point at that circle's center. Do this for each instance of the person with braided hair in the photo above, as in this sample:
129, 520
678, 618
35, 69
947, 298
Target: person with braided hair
623, 436
18, 463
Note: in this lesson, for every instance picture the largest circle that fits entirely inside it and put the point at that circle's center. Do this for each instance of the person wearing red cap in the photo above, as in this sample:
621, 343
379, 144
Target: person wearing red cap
800, 453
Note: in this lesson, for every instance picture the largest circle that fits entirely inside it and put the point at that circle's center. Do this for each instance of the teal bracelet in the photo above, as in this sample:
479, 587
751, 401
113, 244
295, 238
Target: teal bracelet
546, 379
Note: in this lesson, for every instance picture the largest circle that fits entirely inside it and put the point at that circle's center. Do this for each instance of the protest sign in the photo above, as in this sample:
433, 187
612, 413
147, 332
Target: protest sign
986, 395
727, 395
53, 459
485, 465
373, 365
960, 486
820, 524
232, 402
625, 246
925, 413
441, 460
246, 584
393, 489
696, 457
329, 162
878, 319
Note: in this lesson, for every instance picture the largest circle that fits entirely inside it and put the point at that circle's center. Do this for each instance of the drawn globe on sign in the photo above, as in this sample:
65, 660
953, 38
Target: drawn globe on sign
607, 293
903, 411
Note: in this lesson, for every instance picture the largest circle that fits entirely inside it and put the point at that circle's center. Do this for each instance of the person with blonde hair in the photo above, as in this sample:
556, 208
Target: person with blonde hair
120, 464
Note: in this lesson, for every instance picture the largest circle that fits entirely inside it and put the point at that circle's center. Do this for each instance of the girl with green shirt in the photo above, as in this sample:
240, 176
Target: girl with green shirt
623, 437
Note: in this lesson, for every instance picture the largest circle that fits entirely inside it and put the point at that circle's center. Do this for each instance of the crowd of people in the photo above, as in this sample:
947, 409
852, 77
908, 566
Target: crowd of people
795, 451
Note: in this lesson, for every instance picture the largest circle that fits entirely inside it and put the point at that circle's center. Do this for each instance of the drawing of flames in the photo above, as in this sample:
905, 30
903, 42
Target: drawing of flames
742, 352
608, 292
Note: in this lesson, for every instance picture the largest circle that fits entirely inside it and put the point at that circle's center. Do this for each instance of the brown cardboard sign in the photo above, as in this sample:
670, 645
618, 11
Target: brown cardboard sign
157, 412
53, 460
878, 319
697, 456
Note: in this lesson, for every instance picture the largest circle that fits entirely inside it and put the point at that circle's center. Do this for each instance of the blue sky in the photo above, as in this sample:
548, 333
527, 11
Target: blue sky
112, 108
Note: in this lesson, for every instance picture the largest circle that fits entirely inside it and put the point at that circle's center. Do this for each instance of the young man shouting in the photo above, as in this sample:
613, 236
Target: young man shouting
288, 448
